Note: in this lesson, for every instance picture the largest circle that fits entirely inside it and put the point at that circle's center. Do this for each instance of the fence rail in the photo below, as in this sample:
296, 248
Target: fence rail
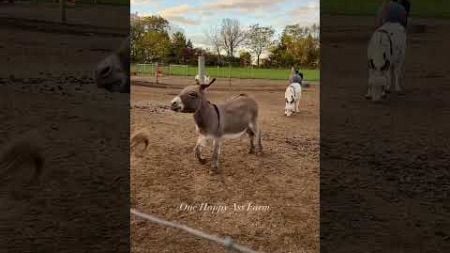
228, 243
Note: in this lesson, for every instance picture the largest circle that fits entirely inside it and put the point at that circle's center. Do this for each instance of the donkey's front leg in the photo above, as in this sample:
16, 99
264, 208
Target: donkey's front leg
201, 142
216, 154
369, 87
389, 80
398, 77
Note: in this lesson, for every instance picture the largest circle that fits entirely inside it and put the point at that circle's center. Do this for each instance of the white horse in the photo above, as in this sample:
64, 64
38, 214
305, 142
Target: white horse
292, 97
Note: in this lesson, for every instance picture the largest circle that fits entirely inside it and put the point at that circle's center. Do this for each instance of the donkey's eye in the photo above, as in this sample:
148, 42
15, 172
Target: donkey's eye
193, 94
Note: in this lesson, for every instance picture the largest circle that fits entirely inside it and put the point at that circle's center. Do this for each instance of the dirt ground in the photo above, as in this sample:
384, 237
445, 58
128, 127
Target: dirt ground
285, 178
47, 91
384, 167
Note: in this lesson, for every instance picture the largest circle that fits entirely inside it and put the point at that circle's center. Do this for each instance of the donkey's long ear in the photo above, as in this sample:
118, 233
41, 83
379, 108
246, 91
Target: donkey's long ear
205, 86
212, 81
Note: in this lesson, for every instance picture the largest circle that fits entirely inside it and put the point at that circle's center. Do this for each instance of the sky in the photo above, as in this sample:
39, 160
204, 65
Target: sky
195, 18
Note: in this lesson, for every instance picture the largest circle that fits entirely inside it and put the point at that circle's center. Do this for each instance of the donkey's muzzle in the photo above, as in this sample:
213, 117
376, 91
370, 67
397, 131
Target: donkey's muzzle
176, 104
175, 107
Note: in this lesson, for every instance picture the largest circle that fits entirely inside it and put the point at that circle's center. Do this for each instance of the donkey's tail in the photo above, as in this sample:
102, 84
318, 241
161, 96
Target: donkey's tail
141, 137
21, 160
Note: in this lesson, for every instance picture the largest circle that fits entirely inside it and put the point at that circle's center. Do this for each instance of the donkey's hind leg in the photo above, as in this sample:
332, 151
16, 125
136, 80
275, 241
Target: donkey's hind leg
251, 136
398, 71
256, 133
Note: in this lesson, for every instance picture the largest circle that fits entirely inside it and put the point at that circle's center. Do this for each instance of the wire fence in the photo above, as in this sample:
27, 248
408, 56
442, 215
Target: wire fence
227, 242
150, 69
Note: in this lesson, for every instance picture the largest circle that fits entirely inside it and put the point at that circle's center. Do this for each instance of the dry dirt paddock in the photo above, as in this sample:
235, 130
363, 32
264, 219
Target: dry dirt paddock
387, 160
47, 91
285, 178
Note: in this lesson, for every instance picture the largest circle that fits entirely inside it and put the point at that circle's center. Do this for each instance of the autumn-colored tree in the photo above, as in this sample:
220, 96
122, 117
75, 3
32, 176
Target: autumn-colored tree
298, 46
178, 46
156, 46
149, 39
155, 23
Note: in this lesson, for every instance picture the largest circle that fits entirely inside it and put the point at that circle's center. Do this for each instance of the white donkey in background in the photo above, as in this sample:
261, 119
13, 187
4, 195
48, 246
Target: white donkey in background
292, 96
293, 93
197, 79
386, 56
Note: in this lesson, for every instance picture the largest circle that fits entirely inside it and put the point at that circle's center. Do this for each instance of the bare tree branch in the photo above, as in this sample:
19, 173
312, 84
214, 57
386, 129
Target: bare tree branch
213, 35
232, 35
259, 39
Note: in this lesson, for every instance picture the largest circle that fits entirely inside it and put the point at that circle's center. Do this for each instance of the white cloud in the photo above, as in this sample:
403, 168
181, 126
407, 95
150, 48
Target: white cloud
243, 5
182, 13
145, 2
306, 16
179, 14
177, 10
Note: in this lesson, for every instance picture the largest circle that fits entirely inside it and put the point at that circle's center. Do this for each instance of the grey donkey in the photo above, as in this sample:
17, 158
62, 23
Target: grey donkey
113, 72
238, 115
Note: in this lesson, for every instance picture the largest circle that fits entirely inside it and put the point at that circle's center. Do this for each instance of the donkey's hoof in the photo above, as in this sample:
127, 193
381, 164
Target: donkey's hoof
251, 151
260, 152
368, 96
214, 170
202, 160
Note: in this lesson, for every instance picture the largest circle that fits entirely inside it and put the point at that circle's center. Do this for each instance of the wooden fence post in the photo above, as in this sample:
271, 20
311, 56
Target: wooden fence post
156, 72
201, 69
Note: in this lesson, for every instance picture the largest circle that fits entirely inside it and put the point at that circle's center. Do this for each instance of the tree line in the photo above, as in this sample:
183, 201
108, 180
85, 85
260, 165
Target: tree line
231, 44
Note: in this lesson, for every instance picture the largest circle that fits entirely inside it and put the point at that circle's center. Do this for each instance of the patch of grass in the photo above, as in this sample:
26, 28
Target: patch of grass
419, 8
225, 72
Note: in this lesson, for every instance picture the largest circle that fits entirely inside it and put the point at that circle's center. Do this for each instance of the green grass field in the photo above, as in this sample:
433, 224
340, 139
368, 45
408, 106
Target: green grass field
419, 8
234, 72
